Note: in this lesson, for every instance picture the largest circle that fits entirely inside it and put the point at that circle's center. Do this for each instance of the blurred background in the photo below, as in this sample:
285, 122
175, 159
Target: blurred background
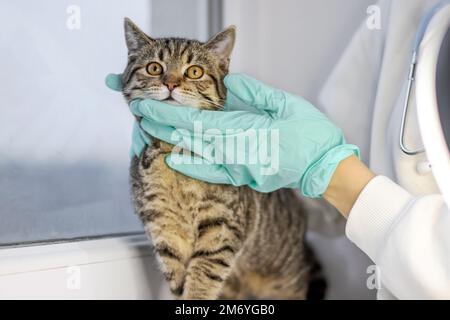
65, 137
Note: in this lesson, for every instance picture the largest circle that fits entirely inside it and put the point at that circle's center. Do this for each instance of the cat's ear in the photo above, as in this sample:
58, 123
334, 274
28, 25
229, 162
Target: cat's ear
134, 36
222, 44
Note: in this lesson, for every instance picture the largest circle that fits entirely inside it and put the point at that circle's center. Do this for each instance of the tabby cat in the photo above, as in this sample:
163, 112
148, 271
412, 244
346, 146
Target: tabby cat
212, 241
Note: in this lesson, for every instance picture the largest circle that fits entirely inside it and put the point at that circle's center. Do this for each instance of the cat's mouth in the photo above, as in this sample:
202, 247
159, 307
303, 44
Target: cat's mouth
171, 100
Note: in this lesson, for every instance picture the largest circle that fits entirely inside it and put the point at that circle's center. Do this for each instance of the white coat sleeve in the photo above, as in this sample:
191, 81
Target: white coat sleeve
407, 237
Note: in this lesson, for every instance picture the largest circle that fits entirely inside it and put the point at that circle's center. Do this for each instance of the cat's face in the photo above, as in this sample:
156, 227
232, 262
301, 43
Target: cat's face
178, 71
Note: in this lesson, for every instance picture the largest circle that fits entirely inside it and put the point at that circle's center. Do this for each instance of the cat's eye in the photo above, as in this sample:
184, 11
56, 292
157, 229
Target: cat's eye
154, 69
194, 72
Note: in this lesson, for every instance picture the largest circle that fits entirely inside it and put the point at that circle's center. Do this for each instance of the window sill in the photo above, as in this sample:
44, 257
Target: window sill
112, 268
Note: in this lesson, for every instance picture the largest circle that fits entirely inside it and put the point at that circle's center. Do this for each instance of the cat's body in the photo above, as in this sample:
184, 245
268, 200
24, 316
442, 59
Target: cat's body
204, 233
212, 240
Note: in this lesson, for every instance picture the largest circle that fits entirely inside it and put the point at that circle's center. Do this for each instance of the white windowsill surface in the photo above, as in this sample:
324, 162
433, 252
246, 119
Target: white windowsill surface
110, 268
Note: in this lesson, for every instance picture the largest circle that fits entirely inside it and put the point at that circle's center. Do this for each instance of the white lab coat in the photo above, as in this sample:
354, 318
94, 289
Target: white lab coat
404, 230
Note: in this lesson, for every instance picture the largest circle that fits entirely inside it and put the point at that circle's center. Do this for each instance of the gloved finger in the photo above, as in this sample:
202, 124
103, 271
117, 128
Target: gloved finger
159, 131
142, 134
198, 120
197, 168
139, 141
254, 92
114, 81
183, 139
134, 107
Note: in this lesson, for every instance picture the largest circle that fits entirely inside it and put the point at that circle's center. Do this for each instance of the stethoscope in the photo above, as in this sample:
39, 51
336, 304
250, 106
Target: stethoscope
411, 76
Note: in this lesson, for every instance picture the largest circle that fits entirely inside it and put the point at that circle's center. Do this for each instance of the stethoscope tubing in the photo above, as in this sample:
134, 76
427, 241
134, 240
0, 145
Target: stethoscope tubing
411, 76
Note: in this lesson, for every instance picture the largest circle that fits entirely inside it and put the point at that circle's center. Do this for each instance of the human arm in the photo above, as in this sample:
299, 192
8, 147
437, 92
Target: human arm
347, 182
407, 237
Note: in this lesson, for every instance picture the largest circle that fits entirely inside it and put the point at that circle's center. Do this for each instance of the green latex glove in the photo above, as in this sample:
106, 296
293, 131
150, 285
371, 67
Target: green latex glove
309, 147
114, 81
139, 138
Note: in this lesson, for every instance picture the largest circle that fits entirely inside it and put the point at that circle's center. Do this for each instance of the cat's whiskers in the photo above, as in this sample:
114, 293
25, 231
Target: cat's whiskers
197, 99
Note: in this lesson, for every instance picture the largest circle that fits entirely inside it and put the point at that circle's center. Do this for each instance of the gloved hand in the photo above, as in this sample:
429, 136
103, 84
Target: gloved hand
309, 147
139, 138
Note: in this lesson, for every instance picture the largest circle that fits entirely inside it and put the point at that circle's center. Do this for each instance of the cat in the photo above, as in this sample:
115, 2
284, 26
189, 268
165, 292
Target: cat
212, 241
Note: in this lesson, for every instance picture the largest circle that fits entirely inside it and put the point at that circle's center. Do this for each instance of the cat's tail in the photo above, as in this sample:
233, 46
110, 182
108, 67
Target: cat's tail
317, 284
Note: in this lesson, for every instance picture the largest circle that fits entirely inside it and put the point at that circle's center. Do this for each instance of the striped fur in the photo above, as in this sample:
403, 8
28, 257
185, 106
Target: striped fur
212, 241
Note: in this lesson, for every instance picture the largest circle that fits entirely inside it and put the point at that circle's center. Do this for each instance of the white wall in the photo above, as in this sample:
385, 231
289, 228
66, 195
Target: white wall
293, 45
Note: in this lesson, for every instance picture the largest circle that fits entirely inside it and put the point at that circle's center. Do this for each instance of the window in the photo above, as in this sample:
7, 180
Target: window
65, 137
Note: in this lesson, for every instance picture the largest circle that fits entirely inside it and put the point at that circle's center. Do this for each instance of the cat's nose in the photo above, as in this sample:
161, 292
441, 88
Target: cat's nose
171, 85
